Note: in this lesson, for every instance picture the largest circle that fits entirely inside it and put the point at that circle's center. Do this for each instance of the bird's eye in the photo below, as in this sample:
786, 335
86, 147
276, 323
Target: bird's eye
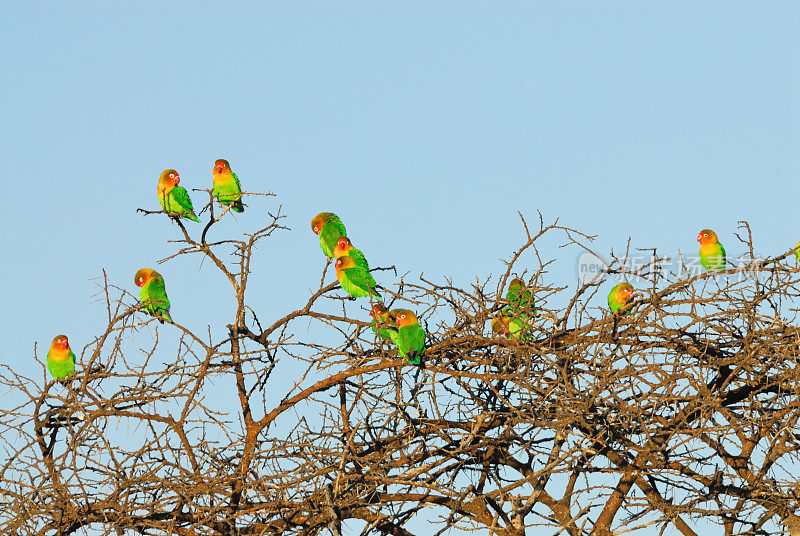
171, 175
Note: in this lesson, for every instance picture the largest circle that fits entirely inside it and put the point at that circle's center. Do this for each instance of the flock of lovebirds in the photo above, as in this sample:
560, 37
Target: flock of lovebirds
399, 327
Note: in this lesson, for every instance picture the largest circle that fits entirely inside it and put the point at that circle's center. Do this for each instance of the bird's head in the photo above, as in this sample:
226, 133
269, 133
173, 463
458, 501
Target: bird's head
345, 262
222, 166
379, 311
143, 276
625, 291
343, 245
169, 176
404, 317
516, 283
60, 343
318, 222
707, 236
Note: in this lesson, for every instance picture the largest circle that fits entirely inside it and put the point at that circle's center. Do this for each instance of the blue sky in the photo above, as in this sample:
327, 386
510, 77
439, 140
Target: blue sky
425, 125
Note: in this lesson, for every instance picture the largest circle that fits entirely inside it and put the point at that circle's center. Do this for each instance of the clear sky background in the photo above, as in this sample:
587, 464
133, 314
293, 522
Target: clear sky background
425, 125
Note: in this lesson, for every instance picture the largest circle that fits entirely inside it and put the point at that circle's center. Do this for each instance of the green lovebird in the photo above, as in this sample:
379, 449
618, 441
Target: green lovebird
410, 336
512, 327
619, 296
712, 254
60, 359
174, 198
153, 294
354, 279
520, 300
797, 251
330, 229
226, 185
383, 323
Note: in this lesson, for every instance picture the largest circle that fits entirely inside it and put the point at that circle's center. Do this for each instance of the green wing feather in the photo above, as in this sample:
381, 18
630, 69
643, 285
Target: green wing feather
385, 331
359, 258
520, 299
331, 232
411, 343
153, 296
359, 282
178, 200
518, 329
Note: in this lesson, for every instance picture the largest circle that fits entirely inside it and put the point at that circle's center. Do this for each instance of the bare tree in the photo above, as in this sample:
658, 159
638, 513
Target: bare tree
680, 415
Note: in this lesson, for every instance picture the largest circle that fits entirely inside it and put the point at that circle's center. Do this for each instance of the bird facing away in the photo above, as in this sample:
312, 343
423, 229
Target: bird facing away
226, 186
619, 296
153, 293
60, 359
410, 336
520, 300
383, 323
174, 198
355, 280
712, 254
330, 229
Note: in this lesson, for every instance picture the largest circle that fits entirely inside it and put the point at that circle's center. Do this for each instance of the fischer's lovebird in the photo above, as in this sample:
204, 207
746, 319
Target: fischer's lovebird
520, 300
330, 229
410, 336
619, 296
174, 198
153, 294
60, 359
383, 323
226, 185
355, 280
712, 254
512, 327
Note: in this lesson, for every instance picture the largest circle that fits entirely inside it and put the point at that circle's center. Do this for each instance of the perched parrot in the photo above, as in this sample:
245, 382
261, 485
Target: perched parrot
383, 323
797, 251
410, 336
330, 229
152, 293
619, 296
226, 185
60, 359
174, 198
512, 327
712, 254
520, 300
355, 279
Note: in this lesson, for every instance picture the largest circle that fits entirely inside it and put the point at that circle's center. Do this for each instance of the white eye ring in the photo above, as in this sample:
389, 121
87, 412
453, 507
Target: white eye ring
171, 175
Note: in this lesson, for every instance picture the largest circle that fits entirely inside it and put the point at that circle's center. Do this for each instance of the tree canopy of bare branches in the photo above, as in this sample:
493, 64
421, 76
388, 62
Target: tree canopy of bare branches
680, 415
